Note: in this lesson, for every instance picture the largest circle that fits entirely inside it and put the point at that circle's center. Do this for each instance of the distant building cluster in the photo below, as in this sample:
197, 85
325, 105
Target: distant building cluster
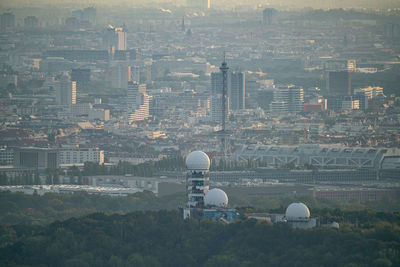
270, 95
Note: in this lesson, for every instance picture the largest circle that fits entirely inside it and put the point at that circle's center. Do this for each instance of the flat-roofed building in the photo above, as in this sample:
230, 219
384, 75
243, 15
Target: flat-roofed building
35, 157
75, 156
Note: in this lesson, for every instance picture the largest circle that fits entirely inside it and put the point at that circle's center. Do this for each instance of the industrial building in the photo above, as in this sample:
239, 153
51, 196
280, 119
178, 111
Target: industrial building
320, 156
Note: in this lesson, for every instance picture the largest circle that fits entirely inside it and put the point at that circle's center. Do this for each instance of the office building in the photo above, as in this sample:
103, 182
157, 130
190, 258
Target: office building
237, 91
6, 156
31, 22
66, 92
362, 100
35, 157
216, 97
349, 103
371, 91
137, 102
199, 4
89, 15
7, 20
120, 74
115, 38
76, 156
288, 99
81, 77
269, 15
339, 83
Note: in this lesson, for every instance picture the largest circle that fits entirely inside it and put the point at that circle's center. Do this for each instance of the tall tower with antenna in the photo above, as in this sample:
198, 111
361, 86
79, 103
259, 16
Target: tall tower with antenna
224, 133
224, 70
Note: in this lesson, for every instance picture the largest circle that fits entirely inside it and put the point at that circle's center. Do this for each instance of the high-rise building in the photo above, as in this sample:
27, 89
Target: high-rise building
288, 99
120, 74
135, 74
236, 92
269, 15
199, 4
81, 77
362, 100
7, 20
115, 38
137, 102
31, 21
89, 14
134, 91
66, 92
339, 83
216, 97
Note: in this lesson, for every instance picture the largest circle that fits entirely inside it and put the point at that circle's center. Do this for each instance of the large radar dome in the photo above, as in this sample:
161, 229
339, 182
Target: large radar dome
297, 211
216, 198
198, 160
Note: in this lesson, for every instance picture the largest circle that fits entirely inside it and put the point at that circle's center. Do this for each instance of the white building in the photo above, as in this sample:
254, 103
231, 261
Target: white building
75, 156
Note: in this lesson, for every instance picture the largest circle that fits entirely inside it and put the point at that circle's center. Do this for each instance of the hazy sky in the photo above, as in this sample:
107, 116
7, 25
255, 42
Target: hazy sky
227, 3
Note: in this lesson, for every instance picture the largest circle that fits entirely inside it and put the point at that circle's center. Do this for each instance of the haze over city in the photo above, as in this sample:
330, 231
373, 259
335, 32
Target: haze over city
199, 133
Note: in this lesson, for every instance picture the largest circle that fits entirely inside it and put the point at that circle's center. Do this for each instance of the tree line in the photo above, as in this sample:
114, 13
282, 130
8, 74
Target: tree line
163, 238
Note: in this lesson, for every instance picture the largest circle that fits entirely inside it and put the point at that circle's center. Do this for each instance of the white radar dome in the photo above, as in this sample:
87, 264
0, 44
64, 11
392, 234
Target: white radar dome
216, 198
297, 211
198, 160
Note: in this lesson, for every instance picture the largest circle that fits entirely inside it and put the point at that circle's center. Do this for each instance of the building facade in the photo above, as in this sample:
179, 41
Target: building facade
288, 99
75, 156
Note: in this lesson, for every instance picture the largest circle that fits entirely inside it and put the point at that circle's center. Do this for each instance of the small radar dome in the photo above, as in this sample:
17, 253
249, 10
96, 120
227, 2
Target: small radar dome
198, 160
216, 198
297, 211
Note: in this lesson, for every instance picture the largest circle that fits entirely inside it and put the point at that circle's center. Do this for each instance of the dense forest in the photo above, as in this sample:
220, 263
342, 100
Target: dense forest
162, 238
19, 208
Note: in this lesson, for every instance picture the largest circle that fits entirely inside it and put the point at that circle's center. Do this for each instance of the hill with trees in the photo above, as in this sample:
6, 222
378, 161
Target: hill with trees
163, 238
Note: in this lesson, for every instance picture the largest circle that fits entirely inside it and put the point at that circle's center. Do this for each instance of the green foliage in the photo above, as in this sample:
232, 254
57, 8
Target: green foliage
163, 238
35, 209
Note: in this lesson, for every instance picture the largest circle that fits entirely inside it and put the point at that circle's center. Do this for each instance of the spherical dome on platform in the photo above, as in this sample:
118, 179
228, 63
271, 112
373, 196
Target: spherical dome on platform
216, 198
198, 160
297, 211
